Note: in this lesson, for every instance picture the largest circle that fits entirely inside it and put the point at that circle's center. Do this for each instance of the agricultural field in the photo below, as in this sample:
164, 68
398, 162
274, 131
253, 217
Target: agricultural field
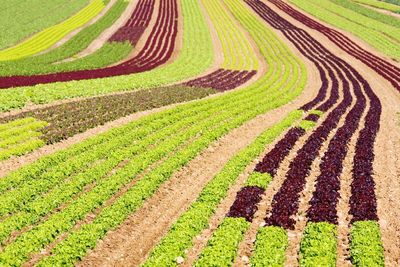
200, 133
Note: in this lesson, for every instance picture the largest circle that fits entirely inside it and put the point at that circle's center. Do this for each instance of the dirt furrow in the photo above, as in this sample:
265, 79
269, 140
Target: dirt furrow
106, 34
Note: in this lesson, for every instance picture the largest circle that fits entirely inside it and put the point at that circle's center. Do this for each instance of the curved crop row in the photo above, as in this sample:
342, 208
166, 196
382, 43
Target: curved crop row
386, 5
68, 119
20, 136
239, 54
384, 68
50, 61
380, 35
48, 37
180, 236
73, 117
156, 51
20, 19
222, 80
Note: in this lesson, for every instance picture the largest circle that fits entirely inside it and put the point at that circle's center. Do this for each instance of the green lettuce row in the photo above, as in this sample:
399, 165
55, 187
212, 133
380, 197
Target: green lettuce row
195, 56
366, 247
377, 34
48, 164
20, 137
238, 52
270, 92
368, 12
79, 241
319, 244
221, 249
262, 106
20, 19
259, 179
307, 125
270, 247
44, 63
180, 236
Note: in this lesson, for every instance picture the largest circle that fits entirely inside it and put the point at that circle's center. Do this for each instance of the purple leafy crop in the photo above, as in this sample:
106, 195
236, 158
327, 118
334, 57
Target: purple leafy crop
246, 201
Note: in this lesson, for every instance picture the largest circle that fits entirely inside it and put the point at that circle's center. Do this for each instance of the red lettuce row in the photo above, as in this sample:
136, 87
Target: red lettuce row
312, 117
384, 68
271, 161
245, 205
363, 205
222, 79
156, 51
326, 195
137, 23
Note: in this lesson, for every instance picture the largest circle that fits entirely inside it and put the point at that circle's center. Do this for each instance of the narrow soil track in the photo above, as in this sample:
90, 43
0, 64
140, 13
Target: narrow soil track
106, 34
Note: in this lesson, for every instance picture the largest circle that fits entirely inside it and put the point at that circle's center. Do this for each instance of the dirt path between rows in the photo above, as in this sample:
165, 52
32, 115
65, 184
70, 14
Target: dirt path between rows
105, 35
387, 158
72, 34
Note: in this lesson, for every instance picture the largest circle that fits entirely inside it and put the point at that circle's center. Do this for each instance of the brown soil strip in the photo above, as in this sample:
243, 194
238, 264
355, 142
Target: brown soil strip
70, 35
387, 158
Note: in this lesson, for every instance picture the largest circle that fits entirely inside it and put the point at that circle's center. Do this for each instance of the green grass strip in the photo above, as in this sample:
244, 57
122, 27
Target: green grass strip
52, 35
221, 249
366, 247
43, 63
21, 19
270, 247
318, 246
386, 5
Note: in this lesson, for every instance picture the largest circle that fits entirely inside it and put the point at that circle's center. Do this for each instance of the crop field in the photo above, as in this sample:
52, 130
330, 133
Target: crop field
200, 133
